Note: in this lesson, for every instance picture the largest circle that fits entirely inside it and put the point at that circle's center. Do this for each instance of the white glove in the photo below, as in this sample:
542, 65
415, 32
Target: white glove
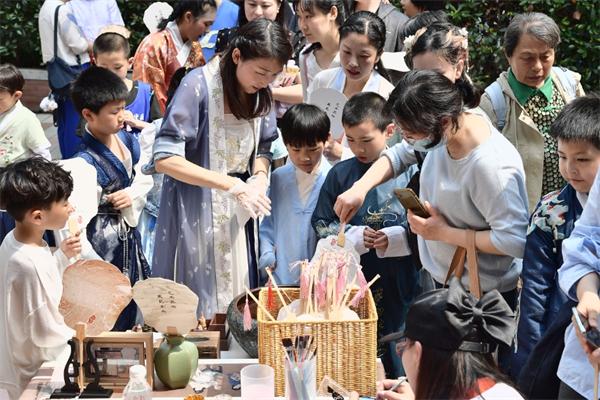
260, 182
251, 199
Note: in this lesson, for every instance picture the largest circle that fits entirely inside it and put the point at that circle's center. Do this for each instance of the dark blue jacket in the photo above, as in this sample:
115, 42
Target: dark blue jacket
541, 298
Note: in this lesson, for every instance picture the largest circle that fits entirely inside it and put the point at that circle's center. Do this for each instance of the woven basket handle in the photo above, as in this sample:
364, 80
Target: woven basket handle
457, 265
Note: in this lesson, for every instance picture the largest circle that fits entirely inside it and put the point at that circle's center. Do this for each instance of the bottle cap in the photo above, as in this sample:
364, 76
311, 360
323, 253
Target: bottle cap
137, 371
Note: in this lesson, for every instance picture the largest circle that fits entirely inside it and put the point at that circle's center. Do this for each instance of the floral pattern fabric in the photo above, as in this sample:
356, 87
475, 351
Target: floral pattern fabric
543, 113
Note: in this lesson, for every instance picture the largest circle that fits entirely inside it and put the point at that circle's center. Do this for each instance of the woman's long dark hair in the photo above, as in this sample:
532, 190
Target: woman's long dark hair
452, 374
369, 24
450, 43
197, 7
260, 38
424, 98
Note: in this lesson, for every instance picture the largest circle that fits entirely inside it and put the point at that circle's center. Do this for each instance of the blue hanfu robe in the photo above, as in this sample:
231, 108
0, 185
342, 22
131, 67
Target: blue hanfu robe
197, 230
541, 297
286, 236
112, 232
381, 210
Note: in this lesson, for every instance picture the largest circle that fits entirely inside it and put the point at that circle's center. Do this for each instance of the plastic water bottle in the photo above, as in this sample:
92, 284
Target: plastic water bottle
138, 387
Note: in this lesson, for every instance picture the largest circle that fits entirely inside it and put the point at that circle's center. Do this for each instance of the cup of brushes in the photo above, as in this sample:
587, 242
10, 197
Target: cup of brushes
300, 367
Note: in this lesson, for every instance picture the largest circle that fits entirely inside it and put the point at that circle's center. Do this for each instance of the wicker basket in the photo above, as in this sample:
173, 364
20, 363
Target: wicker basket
346, 350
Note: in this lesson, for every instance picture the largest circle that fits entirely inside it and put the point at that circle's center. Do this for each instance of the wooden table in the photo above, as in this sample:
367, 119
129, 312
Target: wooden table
50, 377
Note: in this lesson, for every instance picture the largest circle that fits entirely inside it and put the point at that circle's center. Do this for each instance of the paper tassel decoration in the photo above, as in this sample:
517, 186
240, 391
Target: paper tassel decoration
247, 316
363, 287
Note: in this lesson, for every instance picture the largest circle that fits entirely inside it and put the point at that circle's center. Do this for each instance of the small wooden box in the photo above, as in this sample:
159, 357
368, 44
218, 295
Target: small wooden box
207, 343
219, 324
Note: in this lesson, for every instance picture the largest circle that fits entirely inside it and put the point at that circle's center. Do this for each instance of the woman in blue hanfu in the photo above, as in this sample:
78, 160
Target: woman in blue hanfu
217, 132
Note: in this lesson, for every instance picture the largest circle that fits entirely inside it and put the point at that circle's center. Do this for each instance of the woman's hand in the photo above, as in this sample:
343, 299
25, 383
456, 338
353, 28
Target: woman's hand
348, 203
402, 392
433, 228
251, 199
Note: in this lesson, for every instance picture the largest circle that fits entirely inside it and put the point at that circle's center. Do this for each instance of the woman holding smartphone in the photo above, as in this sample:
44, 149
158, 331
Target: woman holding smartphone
472, 179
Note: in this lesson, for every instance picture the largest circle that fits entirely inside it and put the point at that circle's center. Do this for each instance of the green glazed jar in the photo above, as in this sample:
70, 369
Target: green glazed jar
176, 361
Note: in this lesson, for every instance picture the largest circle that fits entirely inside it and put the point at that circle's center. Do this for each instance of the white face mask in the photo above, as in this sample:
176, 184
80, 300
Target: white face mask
422, 144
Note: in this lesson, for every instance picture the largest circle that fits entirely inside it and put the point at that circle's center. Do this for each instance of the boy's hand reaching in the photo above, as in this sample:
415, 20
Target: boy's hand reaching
119, 199
132, 121
370, 237
381, 242
71, 247
333, 149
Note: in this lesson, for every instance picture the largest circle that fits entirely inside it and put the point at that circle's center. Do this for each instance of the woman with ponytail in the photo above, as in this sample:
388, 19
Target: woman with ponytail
362, 37
173, 46
471, 180
213, 148
444, 48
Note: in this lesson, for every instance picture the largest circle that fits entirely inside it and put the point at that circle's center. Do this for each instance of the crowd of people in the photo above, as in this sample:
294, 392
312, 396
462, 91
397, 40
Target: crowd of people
214, 162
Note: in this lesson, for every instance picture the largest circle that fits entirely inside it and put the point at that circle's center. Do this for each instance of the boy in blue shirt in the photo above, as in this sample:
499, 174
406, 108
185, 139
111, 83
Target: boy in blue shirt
379, 229
286, 236
99, 96
111, 51
577, 129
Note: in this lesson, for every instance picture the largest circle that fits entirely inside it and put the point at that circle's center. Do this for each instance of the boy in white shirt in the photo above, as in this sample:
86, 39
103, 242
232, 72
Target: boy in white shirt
32, 330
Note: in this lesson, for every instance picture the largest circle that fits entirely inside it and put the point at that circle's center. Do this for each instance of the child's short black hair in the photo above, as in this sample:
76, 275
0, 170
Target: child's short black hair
366, 106
35, 183
579, 121
11, 78
111, 42
95, 87
304, 125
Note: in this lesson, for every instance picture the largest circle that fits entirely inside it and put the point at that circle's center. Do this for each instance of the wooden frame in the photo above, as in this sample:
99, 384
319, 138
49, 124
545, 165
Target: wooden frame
116, 352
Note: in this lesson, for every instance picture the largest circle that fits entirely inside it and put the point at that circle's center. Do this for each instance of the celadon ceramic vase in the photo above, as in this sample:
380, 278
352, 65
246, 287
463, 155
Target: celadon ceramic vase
176, 361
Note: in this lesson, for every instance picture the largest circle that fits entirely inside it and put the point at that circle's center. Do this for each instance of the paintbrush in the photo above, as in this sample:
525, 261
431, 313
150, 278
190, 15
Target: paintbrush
288, 346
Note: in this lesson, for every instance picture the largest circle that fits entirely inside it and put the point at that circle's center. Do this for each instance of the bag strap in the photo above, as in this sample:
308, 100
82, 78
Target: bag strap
494, 91
566, 80
457, 265
56, 29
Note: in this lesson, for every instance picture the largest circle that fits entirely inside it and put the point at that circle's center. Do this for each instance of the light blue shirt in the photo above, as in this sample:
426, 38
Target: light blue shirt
581, 255
93, 15
483, 191
286, 236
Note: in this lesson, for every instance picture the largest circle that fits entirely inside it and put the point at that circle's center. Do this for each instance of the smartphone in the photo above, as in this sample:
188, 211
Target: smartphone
592, 335
410, 201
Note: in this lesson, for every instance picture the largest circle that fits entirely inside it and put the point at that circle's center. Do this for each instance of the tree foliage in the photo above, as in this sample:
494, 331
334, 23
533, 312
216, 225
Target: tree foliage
486, 20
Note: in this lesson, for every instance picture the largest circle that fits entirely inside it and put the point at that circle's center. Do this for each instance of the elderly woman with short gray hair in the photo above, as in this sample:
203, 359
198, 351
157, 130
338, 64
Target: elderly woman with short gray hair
523, 101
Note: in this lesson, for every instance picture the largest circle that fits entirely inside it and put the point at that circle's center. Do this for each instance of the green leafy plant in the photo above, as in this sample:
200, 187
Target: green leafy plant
486, 21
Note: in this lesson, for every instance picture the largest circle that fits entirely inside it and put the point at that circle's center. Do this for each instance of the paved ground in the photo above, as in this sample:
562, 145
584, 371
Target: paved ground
50, 130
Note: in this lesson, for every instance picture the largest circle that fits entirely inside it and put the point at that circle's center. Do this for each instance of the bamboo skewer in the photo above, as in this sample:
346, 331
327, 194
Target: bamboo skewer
341, 239
263, 308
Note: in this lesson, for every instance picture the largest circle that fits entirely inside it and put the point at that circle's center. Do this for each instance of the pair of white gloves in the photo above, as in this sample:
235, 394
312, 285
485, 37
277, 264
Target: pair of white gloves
252, 195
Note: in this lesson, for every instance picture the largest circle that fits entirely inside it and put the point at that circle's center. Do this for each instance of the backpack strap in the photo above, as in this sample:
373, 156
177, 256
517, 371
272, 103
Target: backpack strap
566, 80
494, 91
